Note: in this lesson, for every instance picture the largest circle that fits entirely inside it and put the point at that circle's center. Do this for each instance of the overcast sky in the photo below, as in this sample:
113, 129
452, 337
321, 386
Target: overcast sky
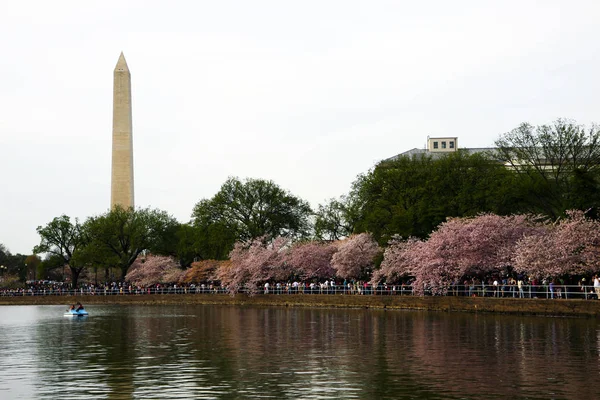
308, 94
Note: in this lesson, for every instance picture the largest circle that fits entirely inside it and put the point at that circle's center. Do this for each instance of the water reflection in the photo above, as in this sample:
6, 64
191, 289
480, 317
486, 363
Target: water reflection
235, 352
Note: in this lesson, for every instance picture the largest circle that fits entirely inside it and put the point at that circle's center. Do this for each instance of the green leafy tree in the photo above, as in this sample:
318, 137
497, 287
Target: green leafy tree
167, 243
98, 257
64, 239
336, 219
122, 234
215, 234
410, 196
557, 165
13, 264
247, 210
51, 267
203, 241
186, 249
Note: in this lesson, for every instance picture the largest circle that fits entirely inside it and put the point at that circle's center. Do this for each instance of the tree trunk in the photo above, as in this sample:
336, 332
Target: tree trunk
75, 276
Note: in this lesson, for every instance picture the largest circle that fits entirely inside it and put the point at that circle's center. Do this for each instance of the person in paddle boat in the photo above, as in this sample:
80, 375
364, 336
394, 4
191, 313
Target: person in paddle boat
72, 307
79, 307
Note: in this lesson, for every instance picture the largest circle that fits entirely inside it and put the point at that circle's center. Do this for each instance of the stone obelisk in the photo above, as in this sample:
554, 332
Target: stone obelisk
121, 193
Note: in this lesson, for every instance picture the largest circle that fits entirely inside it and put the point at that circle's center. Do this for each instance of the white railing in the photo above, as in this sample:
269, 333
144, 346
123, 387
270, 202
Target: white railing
479, 290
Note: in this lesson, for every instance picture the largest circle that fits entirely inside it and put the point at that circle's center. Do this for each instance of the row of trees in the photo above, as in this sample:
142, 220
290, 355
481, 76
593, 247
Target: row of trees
280, 261
12, 264
241, 210
557, 165
113, 239
261, 260
494, 246
482, 247
540, 170
537, 170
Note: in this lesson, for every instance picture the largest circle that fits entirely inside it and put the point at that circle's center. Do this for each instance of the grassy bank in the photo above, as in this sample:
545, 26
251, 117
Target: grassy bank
586, 308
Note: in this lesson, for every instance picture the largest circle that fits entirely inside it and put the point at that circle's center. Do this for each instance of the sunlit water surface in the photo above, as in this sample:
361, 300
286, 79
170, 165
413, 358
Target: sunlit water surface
197, 352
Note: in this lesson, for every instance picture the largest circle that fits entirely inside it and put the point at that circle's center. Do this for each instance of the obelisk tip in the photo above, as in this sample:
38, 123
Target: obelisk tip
121, 64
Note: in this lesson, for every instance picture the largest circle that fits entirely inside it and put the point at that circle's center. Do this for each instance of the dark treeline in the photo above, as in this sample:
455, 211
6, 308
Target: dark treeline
12, 264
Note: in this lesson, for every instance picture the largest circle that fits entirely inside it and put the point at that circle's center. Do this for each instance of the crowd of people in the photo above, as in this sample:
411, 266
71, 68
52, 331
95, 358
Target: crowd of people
515, 287
523, 287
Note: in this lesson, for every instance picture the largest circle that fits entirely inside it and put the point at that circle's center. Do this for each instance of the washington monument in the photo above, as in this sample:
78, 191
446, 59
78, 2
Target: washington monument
121, 193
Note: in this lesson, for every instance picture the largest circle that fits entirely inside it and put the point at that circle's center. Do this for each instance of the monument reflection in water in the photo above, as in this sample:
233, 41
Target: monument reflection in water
232, 352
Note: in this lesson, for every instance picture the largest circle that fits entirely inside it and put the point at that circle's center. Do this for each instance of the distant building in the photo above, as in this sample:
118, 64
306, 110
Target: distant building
440, 146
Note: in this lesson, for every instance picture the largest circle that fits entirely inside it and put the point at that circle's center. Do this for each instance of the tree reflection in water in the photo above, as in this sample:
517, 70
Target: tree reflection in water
199, 351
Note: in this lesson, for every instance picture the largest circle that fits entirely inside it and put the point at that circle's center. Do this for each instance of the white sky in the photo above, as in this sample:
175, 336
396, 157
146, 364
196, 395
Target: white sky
306, 93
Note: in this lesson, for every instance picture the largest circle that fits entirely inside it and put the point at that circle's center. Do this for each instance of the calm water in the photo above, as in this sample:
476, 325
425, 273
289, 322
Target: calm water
122, 352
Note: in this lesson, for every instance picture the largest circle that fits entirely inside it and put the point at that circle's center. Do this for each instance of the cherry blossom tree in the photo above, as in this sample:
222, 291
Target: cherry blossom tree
173, 274
460, 247
312, 259
254, 263
398, 260
203, 271
154, 269
571, 246
355, 256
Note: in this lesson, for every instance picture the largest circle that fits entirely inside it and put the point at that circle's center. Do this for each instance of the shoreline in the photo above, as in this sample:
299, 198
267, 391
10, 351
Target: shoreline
544, 307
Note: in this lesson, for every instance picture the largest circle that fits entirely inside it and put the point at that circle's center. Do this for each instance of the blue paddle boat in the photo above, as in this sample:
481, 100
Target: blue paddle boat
76, 313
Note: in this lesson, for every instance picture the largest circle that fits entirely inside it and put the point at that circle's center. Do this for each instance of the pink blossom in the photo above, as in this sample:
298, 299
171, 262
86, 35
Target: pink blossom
312, 259
398, 260
355, 256
458, 248
150, 270
254, 263
571, 246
